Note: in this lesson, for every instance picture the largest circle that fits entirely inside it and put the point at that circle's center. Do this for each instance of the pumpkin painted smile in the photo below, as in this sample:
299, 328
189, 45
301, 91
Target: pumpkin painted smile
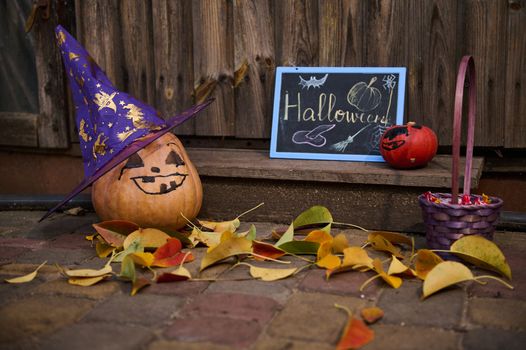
159, 184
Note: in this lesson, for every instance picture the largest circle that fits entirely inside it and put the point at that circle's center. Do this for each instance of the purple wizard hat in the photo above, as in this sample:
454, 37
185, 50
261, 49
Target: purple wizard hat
112, 125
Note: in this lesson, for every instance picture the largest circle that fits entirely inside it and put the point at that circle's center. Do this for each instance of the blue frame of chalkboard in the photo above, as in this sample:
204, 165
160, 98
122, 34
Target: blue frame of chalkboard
316, 81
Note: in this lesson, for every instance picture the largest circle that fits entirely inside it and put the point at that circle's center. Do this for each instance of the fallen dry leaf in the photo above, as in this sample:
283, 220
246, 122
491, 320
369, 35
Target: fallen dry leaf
445, 274
147, 237
371, 314
26, 278
355, 334
425, 261
269, 274
397, 267
170, 254
228, 248
262, 250
87, 281
483, 253
114, 232
88, 272
329, 262
379, 242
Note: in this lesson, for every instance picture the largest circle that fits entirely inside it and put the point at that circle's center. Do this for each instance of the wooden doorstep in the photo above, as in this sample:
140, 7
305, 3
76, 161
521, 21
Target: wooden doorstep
256, 164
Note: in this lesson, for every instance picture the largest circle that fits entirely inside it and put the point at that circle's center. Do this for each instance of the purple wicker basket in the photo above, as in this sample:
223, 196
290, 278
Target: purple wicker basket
446, 217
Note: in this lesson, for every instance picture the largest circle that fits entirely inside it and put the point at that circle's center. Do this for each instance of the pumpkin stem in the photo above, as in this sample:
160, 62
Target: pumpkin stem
373, 79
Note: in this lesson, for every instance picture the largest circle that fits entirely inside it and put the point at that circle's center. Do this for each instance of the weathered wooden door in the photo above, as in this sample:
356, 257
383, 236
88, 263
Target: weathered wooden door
32, 95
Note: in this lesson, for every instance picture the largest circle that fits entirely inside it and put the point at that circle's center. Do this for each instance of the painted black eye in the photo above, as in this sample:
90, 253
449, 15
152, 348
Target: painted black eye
174, 158
135, 161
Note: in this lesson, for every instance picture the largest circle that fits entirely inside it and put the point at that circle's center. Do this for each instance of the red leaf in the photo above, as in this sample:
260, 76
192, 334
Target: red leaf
266, 250
115, 231
171, 277
355, 335
170, 254
169, 249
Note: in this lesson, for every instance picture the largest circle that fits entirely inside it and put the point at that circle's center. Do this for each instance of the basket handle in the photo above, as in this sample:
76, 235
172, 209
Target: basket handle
466, 69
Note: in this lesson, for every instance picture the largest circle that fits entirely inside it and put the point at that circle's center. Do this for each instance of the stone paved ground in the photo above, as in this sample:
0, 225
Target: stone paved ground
234, 312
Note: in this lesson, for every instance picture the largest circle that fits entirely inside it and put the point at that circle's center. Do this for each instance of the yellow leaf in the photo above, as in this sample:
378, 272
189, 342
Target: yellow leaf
425, 261
393, 237
379, 242
396, 267
339, 243
148, 238
230, 247
88, 272
103, 249
483, 253
329, 262
445, 274
26, 278
324, 249
87, 281
268, 274
318, 236
219, 227
143, 259
182, 271
393, 281
91, 237
356, 257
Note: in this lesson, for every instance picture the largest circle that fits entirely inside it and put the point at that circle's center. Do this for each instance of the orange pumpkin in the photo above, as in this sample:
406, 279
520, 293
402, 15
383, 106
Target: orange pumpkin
151, 188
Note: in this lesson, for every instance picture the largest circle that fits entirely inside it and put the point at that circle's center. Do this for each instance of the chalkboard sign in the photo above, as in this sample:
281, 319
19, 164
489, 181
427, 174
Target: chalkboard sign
335, 113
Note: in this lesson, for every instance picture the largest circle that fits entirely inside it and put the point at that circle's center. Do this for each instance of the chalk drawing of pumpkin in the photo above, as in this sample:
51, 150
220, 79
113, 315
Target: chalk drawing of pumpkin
364, 97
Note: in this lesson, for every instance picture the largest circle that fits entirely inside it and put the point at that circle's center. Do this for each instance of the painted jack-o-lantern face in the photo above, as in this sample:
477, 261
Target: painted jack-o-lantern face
408, 146
153, 180
151, 188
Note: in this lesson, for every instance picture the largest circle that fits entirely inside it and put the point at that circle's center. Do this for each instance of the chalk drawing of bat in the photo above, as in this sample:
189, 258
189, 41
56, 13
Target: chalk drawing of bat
312, 82
312, 137
342, 145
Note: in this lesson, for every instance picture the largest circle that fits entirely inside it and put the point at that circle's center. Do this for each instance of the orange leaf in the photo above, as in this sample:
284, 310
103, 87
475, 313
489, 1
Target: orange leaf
355, 335
318, 236
372, 314
425, 261
261, 249
170, 254
114, 232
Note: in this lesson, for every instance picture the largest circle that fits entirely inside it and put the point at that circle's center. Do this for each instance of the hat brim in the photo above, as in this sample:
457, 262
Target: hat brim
130, 150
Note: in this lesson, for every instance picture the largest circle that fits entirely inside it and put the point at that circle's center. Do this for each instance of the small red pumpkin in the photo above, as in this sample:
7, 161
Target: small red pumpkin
408, 146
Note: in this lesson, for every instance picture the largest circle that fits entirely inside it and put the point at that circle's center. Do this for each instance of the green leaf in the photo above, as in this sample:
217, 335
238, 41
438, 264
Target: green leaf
300, 247
128, 269
313, 216
288, 236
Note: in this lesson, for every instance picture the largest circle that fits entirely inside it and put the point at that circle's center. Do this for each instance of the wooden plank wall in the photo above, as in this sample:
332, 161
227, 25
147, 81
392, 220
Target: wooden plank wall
173, 53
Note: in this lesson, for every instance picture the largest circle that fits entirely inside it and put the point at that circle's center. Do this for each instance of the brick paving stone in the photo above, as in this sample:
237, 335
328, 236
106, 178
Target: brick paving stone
36, 315
313, 317
233, 305
234, 333
279, 291
71, 241
276, 343
60, 224
20, 242
139, 309
65, 257
412, 337
499, 313
61, 286
107, 336
171, 345
345, 283
491, 339
10, 254
404, 306
185, 288
11, 292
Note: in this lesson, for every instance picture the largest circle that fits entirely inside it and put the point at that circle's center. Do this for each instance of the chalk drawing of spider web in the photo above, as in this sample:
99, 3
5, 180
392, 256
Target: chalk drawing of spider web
375, 135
